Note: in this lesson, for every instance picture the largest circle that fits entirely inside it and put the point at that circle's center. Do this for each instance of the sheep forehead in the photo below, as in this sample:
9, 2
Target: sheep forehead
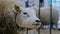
28, 10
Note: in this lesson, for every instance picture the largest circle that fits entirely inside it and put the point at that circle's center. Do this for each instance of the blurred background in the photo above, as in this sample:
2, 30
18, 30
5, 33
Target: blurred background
45, 3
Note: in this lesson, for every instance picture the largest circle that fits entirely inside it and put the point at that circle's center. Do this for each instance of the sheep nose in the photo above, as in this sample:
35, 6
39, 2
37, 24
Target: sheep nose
37, 21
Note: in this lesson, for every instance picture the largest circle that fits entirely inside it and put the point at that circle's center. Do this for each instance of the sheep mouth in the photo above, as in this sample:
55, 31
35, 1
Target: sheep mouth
36, 24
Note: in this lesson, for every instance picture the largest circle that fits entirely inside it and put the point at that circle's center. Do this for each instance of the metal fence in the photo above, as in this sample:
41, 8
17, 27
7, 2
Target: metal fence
51, 3
39, 17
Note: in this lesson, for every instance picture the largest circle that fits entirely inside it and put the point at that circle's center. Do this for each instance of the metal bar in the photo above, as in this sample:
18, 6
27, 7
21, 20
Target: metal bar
51, 24
39, 17
26, 30
39, 9
38, 30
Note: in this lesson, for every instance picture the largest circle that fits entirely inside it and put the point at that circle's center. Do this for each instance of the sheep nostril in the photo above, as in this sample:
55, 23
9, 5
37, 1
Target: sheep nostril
37, 21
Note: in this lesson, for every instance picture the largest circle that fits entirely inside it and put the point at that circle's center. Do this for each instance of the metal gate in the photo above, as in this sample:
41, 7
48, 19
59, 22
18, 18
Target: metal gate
50, 19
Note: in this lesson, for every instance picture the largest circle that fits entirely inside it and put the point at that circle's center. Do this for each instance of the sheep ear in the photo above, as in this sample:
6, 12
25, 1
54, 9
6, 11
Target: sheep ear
17, 8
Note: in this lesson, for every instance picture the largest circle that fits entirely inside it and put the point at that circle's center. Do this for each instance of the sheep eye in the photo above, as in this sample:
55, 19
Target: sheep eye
25, 13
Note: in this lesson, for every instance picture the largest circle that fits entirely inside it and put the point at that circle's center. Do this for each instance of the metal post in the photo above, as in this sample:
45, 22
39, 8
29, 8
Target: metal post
39, 17
26, 30
38, 30
51, 24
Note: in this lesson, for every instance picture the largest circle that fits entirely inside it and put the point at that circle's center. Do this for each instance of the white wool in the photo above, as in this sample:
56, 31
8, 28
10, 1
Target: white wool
29, 18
